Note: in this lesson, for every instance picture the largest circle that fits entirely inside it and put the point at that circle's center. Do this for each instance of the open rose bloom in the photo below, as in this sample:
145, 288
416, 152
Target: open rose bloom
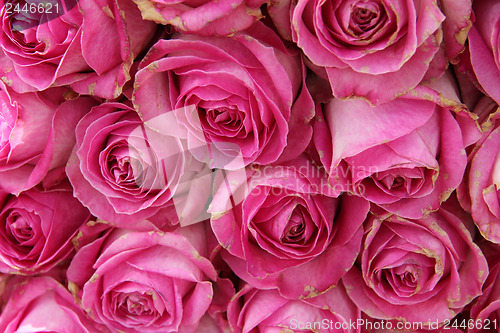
431, 264
250, 103
249, 166
124, 171
32, 238
376, 50
145, 281
89, 46
407, 166
281, 231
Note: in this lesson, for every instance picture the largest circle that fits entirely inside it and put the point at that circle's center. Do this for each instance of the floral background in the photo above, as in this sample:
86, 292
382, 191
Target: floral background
214, 166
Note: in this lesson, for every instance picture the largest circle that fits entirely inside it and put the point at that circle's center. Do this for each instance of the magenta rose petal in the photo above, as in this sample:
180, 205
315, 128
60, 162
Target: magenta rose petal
456, 26
103, 35
34, 300
36, 143
204, 17
410, 74
482, 186
483, 46
486, 307
350, 140
123, 38
483, 62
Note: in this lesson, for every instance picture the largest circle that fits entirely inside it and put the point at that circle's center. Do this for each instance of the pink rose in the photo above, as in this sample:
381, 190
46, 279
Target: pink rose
124, 171
36, 135
253, 310
37, 227
406, 155
91, 47
484, 181
485, 310
286, 232
152, 281
375, 49
43, 305
417, 270
483, 46
242, 99
204, 17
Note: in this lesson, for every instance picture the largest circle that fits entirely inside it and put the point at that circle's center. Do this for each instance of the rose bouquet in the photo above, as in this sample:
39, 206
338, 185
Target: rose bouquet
245, 166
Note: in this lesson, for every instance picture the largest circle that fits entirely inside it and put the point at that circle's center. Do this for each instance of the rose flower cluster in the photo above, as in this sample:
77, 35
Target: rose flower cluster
246, 166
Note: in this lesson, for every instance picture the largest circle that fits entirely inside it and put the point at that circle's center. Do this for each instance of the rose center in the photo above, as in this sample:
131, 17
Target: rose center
404, 279
295, 228
224, 116
19, 228
135, 304
400, 182
222, 120
124, 169
392, 182
397, 181
409, 276
365, 18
